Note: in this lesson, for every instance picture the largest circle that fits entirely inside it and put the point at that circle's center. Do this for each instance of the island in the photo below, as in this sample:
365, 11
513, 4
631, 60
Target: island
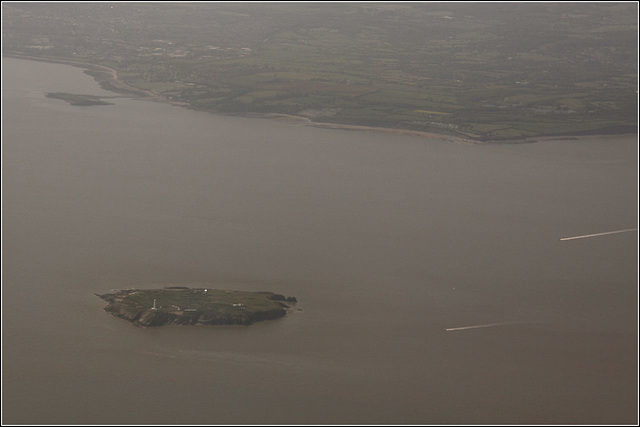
77, 99
180, 305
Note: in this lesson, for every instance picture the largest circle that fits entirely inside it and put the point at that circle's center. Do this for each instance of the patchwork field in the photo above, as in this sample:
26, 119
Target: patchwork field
485, 71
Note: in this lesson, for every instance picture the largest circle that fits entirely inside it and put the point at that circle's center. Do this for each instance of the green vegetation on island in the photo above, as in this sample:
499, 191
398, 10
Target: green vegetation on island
76, 99
481, 71
195, 306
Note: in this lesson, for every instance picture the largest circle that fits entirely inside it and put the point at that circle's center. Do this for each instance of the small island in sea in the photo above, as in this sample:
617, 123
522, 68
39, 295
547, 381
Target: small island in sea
195, 306
77, 99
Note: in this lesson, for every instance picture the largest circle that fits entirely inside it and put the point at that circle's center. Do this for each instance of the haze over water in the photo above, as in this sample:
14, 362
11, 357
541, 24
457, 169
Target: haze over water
386, 241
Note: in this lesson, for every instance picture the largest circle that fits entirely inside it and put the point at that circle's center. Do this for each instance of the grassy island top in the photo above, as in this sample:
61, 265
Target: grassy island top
178, 299
181, 305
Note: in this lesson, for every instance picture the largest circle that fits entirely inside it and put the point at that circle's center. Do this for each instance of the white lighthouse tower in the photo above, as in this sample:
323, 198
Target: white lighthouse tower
154, 305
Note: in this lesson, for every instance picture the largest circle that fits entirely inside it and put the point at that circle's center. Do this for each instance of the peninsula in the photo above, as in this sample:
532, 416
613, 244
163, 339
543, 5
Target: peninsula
195, 306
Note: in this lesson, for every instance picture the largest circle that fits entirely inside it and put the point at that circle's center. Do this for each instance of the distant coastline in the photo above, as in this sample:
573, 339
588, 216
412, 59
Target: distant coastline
108, 79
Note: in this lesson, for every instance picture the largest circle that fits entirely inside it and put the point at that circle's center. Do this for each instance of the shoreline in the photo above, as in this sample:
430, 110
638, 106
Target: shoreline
112, 83
111, 79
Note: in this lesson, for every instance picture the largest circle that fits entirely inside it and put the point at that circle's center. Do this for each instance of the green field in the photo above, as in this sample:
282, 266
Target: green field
213, 300
483, 70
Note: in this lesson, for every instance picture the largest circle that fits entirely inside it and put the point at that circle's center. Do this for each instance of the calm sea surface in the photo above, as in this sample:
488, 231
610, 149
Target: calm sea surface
386, 241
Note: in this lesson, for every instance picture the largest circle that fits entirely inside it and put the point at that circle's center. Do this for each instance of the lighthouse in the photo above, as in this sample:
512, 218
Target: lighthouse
154, 305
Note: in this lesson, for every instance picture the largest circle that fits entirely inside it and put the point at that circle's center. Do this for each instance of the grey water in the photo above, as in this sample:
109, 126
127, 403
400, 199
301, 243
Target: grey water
385, 240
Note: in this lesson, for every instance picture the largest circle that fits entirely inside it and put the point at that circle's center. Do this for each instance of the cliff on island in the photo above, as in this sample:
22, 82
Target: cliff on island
195, 306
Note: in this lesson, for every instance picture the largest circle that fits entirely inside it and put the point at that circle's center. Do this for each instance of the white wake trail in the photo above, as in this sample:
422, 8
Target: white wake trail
599, 234
488, 325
